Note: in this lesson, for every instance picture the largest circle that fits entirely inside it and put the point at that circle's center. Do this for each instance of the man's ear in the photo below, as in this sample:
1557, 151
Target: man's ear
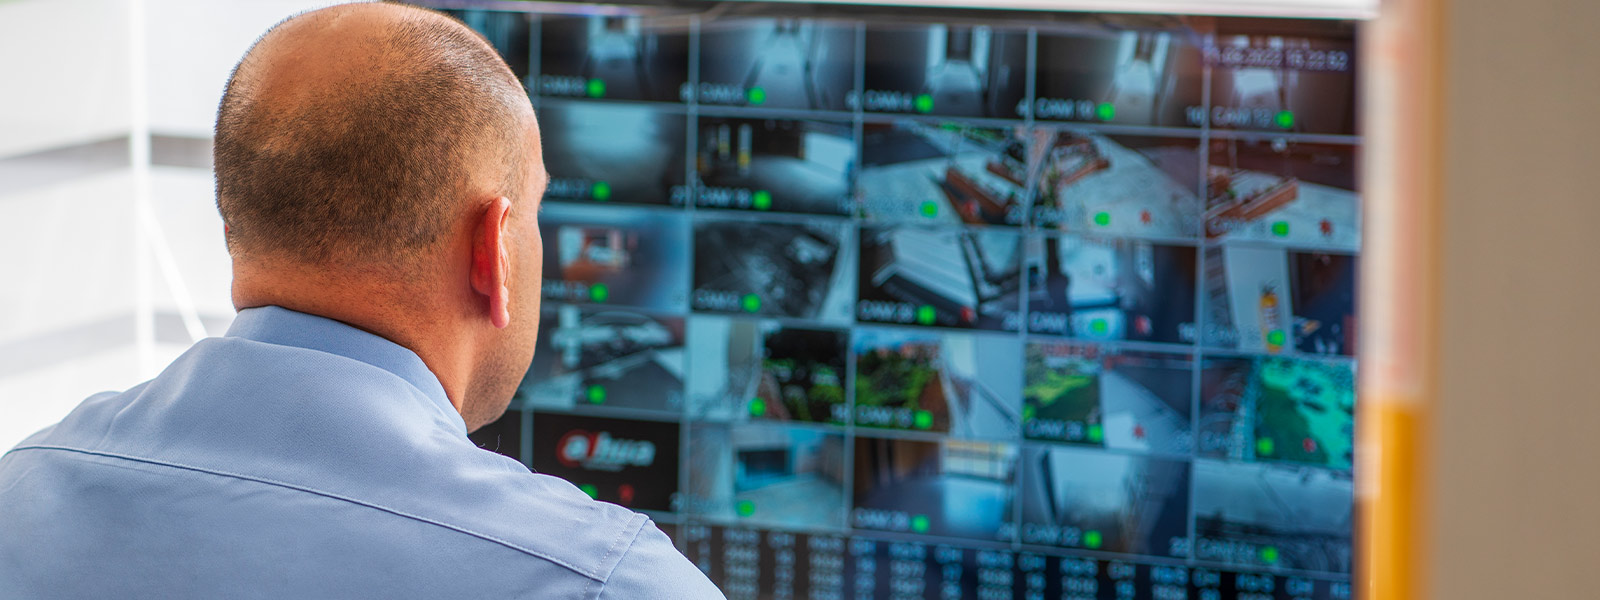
491, 259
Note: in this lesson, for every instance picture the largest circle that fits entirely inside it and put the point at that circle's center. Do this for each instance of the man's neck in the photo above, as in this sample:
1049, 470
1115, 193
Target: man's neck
376, 307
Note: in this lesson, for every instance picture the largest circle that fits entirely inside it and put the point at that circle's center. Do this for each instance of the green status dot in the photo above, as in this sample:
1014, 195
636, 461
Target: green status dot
930, 209
1099, 326
751, 303
596, 394
1092, 539
758, 407
1276, 337
926, 315
757, 95
599, 293
1269, 555
745, 508
762, 199
923, 419
1102, 218
924, 103
1096, 433
1285, 119
1106, 111
600, 191
591, 490
596, 88
919, 523
1280, 228
1265, 446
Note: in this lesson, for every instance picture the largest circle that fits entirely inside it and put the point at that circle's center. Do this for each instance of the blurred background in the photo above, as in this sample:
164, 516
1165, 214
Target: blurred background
1478, 293
96, 231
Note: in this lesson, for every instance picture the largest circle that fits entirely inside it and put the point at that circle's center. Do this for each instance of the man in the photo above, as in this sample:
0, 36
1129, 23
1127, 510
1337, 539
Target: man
379, 171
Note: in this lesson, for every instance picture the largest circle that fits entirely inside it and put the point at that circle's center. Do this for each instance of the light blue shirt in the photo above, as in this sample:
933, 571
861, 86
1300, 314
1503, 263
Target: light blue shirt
299, 457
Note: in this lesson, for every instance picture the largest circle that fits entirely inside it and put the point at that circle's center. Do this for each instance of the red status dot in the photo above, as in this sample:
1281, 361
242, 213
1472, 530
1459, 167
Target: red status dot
625, 494
1327, 227
1138, 431
968, 314
1144, 217
1309, 444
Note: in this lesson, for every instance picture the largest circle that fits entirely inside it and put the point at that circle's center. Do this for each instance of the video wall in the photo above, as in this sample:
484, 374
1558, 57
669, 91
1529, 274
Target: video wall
953, 304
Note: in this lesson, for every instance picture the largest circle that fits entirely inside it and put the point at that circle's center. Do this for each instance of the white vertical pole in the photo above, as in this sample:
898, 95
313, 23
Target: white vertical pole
139, 157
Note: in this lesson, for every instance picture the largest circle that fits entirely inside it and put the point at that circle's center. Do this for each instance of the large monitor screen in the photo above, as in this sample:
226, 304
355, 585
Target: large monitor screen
950, 304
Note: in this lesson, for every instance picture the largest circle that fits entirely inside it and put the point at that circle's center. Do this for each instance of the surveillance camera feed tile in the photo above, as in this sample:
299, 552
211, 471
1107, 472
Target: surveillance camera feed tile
614, 57
1276, 191
946, 487
1138, 186
1109, 289
601, 153
929, 303
778, 165
1123, 75
767, 370
632, 463
1109, 397
769, 474
1274, 409
955, 69
932, 172
914, 275
779, 63
606, 357
1263, 79
797, 269
1279, 301
1105, 501
960, 385
598, 256
1280, 516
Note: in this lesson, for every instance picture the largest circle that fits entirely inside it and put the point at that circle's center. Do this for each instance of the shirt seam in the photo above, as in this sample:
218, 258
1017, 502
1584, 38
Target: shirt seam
300, 488
636, 525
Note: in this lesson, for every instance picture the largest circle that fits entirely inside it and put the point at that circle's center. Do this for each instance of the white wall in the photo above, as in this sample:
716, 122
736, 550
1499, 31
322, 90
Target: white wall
64, 235
194, 45
73, 87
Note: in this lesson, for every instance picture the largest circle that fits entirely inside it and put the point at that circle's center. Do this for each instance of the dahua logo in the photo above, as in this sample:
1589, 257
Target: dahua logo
601, 452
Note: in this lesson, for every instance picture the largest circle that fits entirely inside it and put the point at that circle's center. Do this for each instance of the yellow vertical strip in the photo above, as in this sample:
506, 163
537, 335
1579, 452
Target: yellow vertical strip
1403, 107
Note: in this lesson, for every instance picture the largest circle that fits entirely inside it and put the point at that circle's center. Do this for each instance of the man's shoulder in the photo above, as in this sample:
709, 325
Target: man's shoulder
236, 418
216, 535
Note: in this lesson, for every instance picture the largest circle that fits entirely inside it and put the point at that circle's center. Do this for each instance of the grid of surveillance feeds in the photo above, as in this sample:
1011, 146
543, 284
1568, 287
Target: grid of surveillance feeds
931, 304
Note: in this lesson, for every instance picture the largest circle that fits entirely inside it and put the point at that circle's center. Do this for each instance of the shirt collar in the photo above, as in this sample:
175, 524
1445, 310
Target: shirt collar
284, 327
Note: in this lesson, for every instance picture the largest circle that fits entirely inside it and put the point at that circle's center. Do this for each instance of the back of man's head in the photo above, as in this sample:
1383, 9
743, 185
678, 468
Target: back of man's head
379, 164
349, 135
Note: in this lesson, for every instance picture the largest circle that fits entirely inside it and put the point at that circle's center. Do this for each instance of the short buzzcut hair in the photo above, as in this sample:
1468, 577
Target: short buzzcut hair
369, 171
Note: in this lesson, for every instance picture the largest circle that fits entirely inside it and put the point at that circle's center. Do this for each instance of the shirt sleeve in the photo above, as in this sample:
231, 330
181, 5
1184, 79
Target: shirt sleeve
653, 568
